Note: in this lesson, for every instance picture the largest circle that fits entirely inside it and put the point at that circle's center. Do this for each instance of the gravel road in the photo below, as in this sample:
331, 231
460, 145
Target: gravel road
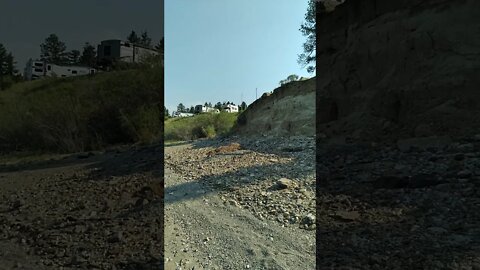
215, 211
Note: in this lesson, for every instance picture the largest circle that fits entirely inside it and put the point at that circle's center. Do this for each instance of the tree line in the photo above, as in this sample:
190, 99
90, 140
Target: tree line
54, 51
8, 72
219, 105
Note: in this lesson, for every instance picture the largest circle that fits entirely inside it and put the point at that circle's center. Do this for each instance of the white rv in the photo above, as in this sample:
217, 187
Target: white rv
182, 114
38, 69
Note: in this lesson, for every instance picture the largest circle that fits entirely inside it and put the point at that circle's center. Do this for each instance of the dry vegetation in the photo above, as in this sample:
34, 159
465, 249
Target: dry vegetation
83, 113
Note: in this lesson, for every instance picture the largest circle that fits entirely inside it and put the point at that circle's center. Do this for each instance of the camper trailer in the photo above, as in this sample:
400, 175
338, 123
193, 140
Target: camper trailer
118, 50
38, 69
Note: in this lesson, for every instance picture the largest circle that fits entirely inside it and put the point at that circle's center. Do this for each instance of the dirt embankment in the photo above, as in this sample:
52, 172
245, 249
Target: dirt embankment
288, 110
393, 69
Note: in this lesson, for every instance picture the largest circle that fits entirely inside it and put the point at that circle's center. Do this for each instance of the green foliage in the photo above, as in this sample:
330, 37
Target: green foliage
145, 40
205, 125
83, 113
133, 38
89, 56
307, 58
53, 50
7, 69
160, 46
290, 78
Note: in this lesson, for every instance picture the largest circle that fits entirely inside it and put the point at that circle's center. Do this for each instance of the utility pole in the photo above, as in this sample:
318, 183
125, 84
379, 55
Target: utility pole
256, 93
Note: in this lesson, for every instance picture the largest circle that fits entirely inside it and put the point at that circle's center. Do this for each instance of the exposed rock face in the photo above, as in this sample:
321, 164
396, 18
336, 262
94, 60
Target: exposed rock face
398, 69
288, 110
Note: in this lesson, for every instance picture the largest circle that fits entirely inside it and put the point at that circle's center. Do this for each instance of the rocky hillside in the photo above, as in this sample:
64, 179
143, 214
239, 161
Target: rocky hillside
399, 69
288, 110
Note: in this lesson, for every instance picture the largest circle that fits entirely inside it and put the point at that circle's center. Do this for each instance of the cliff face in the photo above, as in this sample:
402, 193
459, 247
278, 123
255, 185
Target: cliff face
400, 68
288, 110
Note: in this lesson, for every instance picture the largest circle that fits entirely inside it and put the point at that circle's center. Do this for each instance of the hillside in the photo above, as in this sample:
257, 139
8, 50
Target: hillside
399, 69
288, 110
82, 113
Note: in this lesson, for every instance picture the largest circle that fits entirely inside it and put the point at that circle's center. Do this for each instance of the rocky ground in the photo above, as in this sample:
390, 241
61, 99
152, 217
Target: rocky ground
410, 206
240, 203
85, 211
272, 178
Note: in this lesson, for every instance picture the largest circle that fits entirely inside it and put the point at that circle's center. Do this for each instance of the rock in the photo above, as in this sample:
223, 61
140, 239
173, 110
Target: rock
435, 142
423, 130
464, 174
308, 219
437, 230
285, 183
347, 215
465, 148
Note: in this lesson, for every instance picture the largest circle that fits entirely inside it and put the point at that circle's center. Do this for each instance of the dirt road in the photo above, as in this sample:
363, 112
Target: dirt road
206, 229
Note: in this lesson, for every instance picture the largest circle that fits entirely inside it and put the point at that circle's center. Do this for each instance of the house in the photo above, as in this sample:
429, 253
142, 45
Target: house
231, 108
205, 109
118, 50
38, 68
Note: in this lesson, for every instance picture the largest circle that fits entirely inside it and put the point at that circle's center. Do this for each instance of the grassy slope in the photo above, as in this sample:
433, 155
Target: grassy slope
82, 113
200, 126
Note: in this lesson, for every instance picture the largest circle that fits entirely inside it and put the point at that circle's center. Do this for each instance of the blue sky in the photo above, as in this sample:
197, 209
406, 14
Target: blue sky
221, 50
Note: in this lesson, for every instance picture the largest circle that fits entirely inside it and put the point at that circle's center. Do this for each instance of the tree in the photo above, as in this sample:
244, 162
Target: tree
218, 106
209, 104
290, 78
3, 59
10, 65
166, 114
74, 57
192, 109
53, 50
160, 46
243, 106
133, 38
145, 40
89, 55
181, 108
307, 58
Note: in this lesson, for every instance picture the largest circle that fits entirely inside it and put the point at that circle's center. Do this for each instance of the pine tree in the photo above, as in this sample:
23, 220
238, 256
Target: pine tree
133, 38
308, 30
145, 40
53, 50
89, 56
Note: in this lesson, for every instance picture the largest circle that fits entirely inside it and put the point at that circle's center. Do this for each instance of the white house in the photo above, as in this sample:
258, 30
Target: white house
37, 69
231, 108
205, 109
115, 49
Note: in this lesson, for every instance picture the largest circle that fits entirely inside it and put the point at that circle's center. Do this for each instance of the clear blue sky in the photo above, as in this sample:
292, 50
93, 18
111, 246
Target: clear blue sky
219, 50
